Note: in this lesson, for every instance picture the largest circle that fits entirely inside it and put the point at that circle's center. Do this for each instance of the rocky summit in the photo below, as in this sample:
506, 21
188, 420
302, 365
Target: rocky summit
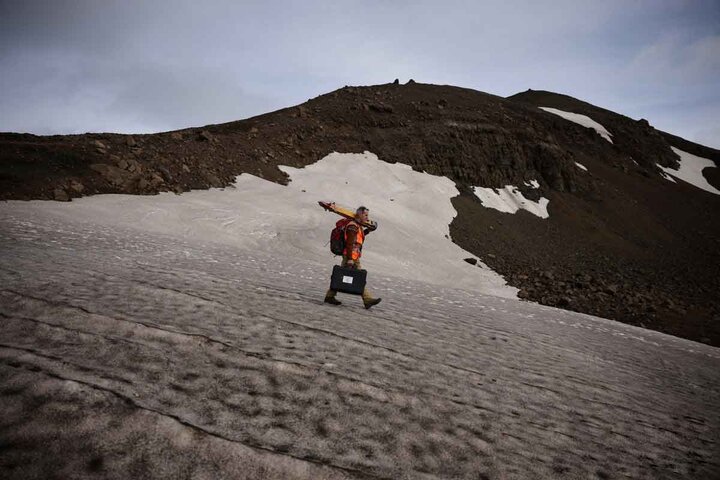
621, 240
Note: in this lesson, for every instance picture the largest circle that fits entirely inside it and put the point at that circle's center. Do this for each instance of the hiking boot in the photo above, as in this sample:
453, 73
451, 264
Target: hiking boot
332, 301
372, 302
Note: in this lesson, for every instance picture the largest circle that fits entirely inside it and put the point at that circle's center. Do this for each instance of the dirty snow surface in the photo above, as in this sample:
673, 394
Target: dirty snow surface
413, 210
583, 120
142, 351
690, 171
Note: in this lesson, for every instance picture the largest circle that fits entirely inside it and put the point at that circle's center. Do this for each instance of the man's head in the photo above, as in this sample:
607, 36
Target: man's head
362, 214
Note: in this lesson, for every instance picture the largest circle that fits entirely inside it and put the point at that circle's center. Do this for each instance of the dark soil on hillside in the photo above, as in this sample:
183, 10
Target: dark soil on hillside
621, 242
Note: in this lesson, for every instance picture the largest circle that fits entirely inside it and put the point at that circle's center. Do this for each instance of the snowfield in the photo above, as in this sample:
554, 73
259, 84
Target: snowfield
690, 171
510, 200
583, 120
185, 337
413, 210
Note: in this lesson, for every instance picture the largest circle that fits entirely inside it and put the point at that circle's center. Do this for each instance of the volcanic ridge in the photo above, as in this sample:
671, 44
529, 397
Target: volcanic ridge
598, 226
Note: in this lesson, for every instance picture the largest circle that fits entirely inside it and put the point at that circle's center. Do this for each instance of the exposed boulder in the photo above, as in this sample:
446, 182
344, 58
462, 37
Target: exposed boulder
206, 136
77, 186
130, 164
114, 175
61, 195
380, 107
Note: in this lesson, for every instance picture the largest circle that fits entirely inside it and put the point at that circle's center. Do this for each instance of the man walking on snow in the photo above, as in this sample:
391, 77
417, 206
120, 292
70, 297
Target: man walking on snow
354, 238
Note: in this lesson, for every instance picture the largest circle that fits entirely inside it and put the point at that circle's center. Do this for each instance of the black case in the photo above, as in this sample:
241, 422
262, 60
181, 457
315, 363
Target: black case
348, 280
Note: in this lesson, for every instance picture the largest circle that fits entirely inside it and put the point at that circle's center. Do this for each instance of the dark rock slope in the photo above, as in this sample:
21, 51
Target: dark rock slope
621, 241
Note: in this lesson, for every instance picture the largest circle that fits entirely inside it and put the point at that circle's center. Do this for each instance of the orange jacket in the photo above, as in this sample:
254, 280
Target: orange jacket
354, 238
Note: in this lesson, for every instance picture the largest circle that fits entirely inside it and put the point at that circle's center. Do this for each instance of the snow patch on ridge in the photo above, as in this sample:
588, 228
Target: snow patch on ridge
691, 167
583, 120
509, 200
667, 177
581, 166
413, 211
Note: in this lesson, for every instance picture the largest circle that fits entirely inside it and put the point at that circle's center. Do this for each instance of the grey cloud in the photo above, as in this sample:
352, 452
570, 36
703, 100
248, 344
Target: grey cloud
150, 66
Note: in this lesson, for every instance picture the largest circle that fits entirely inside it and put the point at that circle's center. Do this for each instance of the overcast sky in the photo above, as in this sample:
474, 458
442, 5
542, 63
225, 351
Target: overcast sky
148, 66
